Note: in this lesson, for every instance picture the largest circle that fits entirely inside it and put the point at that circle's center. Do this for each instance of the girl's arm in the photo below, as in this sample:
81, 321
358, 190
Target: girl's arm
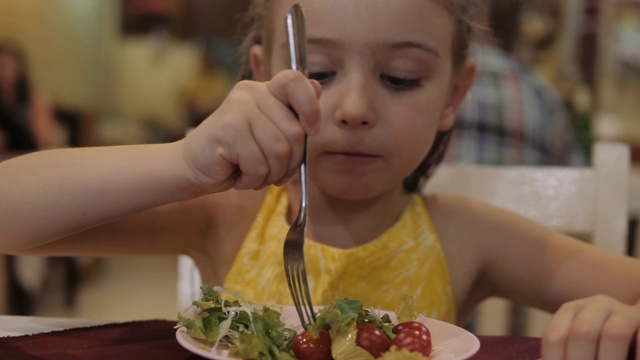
52, 194
594, 293
516, 258
253, 140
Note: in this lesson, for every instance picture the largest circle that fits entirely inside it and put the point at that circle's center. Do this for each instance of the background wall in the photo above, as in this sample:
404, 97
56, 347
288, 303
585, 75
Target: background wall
619, 70
133, 84
68, 44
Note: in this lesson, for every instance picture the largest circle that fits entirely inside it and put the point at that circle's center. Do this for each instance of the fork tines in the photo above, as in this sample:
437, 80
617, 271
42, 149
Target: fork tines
296, 273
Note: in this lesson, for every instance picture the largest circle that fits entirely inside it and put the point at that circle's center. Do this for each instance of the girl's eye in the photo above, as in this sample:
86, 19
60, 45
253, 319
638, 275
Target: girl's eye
321, 76
397, 83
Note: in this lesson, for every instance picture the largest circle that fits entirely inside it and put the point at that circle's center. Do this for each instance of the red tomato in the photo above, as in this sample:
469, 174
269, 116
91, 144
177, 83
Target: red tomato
410, 325
372, 339
305, 347
413, 340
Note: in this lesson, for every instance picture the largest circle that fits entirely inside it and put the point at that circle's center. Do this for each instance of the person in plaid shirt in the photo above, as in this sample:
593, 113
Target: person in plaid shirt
511, 116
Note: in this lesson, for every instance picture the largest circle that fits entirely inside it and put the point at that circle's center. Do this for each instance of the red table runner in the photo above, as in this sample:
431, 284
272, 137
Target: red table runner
155, 339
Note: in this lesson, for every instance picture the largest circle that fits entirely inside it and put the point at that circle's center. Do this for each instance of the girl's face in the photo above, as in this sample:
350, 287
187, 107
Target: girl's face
388, 86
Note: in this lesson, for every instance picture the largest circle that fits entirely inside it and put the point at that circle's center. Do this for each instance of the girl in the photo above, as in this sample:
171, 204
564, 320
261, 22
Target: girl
386, 80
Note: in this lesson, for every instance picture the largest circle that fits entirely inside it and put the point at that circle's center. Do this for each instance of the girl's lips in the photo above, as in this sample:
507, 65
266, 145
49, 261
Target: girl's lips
351, 154
351, 159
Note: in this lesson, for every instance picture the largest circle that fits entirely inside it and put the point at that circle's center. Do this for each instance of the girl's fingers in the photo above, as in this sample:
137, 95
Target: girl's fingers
617, 333
584, 332
281, 151
293, 89
593, 328
292, 132
556, 334
253, 167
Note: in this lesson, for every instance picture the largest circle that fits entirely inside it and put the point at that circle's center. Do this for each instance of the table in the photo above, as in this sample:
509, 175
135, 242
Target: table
54, 338
29, 325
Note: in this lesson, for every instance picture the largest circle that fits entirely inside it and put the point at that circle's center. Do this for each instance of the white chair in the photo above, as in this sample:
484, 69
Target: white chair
189, 282
591, 203
4, 308
634, 208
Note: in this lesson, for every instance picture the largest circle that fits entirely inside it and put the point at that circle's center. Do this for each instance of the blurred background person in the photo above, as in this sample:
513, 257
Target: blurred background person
27, 120
512, 116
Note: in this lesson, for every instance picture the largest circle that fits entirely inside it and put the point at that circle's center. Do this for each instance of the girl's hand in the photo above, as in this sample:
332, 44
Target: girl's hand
598, 327
256, 137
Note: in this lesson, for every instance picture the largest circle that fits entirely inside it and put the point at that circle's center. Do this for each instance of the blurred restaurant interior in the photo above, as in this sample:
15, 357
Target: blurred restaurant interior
134, 71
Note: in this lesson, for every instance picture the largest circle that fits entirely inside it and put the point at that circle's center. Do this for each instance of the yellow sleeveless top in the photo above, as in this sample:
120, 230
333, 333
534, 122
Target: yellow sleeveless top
405, 259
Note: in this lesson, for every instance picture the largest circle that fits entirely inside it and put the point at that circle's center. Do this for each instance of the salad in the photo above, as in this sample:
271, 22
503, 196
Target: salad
344, 329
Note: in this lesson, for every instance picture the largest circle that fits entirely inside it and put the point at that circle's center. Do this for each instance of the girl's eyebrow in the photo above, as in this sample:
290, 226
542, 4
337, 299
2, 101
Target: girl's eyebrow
416, 45
318, 41
323, 42
400, 45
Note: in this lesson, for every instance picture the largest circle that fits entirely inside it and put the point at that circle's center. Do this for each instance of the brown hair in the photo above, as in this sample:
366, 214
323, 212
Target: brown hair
258, 30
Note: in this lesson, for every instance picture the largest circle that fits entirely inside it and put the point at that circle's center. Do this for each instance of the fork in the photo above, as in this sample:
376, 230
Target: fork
293, 253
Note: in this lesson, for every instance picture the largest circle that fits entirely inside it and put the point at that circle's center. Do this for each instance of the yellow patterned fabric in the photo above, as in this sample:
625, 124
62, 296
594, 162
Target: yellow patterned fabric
405, 259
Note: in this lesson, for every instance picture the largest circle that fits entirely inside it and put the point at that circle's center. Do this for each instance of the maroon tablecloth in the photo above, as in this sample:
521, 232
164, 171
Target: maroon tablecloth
155, 339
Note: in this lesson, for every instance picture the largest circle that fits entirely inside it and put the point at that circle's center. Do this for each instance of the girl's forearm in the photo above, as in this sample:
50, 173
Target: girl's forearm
51, 194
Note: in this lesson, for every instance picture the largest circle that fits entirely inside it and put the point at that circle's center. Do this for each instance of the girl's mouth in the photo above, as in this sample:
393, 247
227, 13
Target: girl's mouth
351, 154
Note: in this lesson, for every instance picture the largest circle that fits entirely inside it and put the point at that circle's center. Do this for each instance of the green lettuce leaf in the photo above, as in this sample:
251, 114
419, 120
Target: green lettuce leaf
406, 310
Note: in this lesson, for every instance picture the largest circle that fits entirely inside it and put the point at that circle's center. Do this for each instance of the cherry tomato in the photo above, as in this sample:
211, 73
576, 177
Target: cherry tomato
306, 347
372, 339
410, 325
413, 340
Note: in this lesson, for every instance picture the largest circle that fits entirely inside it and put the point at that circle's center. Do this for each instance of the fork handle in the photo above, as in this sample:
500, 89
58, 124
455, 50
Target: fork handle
297, 41
297, 38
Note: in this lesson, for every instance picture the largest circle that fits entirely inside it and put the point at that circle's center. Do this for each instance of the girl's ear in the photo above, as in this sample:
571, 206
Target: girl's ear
461, 85
258, 63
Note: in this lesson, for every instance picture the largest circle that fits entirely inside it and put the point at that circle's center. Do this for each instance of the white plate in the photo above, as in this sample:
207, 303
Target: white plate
449, 341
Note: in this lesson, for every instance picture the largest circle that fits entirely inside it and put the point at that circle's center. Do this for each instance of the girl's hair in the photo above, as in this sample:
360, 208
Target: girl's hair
258, 30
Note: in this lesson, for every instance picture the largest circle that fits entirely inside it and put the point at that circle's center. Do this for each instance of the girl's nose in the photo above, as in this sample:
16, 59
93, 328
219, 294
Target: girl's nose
355, 107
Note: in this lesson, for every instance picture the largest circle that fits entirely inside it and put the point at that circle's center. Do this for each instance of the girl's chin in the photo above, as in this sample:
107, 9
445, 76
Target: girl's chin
351, 191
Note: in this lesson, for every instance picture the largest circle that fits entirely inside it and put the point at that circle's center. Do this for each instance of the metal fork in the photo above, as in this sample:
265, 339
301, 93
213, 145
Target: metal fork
293, 253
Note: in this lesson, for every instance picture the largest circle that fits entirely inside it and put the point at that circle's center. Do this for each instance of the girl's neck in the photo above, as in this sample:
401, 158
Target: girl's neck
345, 223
